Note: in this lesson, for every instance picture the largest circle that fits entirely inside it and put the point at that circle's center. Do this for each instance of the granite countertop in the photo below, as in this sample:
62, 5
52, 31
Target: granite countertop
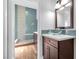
59, 37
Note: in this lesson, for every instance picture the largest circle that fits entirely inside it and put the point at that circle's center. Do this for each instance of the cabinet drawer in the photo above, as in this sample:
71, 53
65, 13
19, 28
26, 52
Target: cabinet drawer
53, 43
50, 41
46, 40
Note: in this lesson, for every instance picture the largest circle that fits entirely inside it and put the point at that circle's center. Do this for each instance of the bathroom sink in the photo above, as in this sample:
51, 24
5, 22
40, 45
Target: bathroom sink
53, 33
58, 37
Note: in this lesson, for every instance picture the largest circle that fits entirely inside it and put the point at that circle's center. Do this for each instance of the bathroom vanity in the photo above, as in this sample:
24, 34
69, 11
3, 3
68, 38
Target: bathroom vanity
58, 46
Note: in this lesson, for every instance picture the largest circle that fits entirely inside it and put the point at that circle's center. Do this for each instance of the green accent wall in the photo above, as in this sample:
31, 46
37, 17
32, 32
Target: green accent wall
31, 22
16, 21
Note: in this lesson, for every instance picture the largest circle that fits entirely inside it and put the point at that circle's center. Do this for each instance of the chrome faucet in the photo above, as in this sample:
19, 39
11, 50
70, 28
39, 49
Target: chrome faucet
59, 32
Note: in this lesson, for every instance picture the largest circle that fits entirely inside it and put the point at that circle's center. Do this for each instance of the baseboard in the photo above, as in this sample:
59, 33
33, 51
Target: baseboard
24, 44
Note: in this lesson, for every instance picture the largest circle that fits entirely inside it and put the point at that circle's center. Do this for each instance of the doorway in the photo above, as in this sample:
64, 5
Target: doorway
25, 29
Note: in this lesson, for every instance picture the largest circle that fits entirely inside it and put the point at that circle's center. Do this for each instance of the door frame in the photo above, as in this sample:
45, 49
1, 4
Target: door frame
9, 27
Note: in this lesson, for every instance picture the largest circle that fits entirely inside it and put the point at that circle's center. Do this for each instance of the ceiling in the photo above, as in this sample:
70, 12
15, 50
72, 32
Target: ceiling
34, 3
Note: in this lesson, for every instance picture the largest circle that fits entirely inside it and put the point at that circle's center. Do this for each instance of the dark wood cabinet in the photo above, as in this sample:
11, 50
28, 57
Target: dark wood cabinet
53, 52
46, 51
54, 49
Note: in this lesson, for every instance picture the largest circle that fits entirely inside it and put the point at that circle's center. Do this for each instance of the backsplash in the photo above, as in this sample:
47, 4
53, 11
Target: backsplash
71, 32
66, 32
56, 31
53, 31
44, 31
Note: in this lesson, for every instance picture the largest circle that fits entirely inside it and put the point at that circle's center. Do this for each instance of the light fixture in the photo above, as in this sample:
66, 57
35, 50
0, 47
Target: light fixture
69, 4
57, 6
64, 2
61, 8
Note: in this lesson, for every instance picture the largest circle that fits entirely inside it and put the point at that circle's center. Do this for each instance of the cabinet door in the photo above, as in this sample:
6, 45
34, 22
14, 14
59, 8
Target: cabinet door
53, 52
46, 51
66, 49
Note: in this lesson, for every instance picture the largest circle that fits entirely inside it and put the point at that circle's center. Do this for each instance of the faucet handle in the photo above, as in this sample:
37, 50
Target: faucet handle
59, 32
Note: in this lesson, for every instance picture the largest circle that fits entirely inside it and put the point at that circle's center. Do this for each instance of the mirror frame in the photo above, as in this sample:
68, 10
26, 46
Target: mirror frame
71, 17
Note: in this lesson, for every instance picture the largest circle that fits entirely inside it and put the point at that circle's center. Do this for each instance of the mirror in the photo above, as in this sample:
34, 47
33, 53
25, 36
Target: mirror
64, 16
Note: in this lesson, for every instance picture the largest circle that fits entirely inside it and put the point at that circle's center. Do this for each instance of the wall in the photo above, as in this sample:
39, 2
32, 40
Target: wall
47, 14
30, 22
16, 9
25, 22
27, 3
20, 22
46, 20
74, 14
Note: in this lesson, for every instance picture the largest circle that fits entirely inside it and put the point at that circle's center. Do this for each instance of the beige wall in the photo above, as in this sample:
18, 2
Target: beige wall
21, 22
